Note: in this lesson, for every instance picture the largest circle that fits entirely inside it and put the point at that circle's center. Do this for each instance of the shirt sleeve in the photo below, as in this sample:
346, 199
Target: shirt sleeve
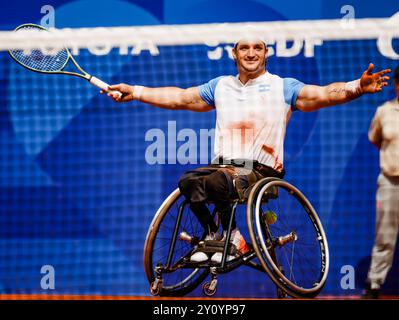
292, 87
207, 91
375, 130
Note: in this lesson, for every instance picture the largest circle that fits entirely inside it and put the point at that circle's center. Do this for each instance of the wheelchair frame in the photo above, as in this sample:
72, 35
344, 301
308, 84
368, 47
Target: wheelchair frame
270, 265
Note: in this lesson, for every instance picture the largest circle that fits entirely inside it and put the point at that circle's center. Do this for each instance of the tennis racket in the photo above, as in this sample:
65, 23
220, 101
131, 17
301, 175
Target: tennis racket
52, 61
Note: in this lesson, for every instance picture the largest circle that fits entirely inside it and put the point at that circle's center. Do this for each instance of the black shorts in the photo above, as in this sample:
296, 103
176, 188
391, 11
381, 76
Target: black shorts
224, 180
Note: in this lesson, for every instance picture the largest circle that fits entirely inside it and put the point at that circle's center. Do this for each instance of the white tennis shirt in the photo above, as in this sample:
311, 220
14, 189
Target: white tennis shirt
384, 131
251, 119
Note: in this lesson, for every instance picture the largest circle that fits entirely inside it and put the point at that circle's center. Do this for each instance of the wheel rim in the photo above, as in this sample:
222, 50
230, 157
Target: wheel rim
305, 260
180, 278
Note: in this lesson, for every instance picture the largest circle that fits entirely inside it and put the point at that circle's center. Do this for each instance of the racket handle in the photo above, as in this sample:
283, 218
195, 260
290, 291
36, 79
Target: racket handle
102, 85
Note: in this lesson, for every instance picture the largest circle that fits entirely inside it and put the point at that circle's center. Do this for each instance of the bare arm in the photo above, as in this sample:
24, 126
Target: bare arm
375, 130
313, 97
172, 98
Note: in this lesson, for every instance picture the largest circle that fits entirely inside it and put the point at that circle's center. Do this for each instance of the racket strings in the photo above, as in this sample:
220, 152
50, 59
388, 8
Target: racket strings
48, 60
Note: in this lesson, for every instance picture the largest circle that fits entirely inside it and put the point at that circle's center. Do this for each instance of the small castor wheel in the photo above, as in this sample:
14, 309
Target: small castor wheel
209, 288
281, 294
156, 287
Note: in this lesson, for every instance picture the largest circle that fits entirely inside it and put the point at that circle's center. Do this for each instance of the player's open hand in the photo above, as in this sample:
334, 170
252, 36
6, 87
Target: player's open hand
126, 90
373, 82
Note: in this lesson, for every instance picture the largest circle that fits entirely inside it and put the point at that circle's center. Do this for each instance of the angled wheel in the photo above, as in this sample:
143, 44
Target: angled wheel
208, 290
288, 237
164, 248
156, 287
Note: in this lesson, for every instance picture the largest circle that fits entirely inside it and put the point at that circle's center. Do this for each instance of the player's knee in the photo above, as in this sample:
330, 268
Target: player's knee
217, 184
188, 184
183, 185
384, 245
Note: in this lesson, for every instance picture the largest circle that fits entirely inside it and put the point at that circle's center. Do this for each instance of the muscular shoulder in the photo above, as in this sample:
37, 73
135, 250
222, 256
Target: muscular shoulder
387, 105
274, 77
227, 81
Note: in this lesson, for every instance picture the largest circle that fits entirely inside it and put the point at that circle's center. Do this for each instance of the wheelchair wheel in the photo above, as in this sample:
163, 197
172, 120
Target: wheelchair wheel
288, 237
176, 281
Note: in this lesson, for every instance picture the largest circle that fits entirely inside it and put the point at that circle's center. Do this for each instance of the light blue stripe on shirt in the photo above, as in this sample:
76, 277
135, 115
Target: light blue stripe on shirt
207, 91
292, 87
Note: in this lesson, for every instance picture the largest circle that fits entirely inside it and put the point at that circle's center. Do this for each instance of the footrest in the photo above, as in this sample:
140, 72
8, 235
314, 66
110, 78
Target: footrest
213, 243
211, 246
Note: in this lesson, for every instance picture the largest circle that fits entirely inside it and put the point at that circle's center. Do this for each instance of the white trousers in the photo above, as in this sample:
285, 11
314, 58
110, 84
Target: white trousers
387, 226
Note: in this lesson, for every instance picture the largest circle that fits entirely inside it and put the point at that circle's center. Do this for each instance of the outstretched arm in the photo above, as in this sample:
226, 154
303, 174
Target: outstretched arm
375, 130
165, 97
313, 97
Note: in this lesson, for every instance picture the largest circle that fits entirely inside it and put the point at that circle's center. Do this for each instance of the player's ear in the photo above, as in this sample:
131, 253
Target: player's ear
234, 52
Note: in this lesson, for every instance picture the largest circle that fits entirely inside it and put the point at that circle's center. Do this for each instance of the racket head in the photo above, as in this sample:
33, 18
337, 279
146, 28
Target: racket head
46, 60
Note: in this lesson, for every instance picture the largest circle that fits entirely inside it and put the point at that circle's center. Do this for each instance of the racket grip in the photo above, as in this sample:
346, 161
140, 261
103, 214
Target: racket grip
102, 85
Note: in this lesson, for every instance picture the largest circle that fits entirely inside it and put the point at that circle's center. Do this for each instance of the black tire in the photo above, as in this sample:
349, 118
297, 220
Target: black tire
305, 260
182, 280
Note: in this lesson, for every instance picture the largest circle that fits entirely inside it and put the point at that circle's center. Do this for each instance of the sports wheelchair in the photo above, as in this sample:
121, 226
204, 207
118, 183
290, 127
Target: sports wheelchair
287, 242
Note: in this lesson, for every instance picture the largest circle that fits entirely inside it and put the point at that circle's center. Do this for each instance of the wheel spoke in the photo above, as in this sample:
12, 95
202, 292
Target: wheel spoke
302, 258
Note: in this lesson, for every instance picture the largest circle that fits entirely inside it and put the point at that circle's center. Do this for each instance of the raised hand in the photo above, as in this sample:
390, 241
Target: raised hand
373, 82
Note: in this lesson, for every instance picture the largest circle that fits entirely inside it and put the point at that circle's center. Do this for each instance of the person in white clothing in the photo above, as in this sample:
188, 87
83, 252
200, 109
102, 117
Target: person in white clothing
252, 112
384, 134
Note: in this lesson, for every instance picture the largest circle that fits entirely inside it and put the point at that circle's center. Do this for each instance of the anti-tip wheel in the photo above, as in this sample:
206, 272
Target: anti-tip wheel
206, 288
281, 294
156, 287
